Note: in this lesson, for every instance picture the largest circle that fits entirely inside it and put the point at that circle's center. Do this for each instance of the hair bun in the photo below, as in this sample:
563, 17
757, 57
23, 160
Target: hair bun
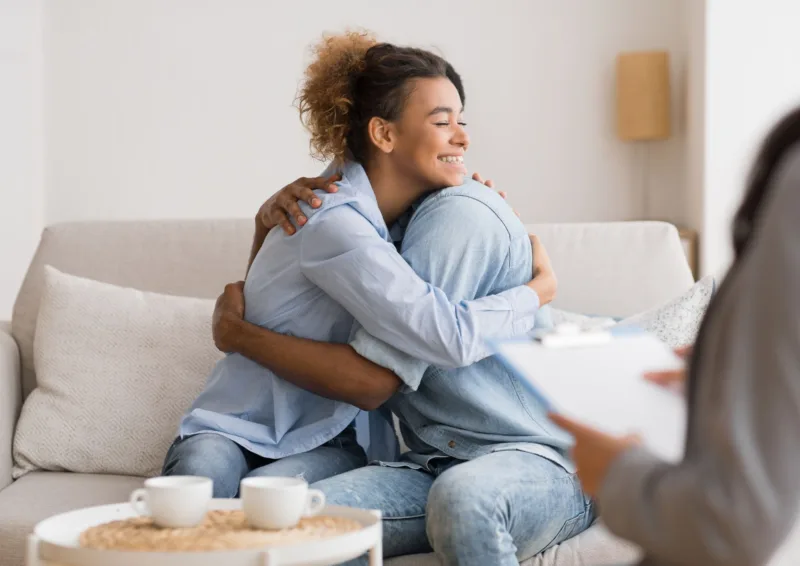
325, 98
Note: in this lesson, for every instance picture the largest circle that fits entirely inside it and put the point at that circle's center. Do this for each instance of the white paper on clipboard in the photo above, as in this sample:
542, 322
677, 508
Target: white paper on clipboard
603, 386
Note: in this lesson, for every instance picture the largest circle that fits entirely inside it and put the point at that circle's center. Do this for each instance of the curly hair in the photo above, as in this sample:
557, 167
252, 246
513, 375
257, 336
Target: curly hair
354, 78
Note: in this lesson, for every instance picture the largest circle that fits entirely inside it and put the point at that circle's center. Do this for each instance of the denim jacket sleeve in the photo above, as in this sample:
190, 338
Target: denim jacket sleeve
462, 262
342, 254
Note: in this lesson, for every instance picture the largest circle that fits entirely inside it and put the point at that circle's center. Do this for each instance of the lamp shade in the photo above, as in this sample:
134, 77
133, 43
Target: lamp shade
643, 95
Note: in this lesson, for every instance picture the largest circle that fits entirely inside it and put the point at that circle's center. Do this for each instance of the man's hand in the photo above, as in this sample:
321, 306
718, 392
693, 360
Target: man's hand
672, 379
283, 205
544, 280
594, 452
228, 314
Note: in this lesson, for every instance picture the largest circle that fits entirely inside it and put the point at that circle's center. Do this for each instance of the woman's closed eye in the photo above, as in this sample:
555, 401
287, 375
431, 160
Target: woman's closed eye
462, 124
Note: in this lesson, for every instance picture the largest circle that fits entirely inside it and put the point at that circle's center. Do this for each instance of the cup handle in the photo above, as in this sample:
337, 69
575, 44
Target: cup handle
139, 502
315, 502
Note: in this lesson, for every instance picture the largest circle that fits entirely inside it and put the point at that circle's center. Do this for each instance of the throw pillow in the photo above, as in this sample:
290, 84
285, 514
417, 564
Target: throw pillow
116, 370
678, 321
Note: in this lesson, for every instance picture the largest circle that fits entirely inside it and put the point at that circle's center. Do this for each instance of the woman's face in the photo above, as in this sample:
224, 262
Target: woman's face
429, 137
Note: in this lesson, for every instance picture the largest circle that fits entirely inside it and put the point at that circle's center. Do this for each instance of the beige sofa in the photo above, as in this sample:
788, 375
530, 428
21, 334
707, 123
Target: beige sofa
614, 269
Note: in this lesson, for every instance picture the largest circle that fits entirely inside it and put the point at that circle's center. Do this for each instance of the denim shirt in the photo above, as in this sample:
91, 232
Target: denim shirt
468, 241
341, 265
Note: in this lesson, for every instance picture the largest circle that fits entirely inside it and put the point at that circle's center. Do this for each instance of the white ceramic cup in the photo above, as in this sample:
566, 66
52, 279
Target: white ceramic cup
174, 501
278, 503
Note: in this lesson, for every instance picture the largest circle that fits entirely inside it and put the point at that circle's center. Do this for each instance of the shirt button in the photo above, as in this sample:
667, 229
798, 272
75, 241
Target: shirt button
452, 444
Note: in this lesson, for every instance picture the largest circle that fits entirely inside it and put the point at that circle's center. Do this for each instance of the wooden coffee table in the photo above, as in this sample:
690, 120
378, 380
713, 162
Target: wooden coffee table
55, 542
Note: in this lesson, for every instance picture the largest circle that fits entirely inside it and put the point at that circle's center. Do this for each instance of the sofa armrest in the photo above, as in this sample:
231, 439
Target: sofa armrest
10, 400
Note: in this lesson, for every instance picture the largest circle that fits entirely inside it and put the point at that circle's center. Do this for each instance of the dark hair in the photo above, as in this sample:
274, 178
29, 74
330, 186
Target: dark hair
352, 79
778, 144
784, 137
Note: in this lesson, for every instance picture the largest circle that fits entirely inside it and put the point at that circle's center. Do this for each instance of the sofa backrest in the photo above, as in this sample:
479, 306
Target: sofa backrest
615, 268
191, 258
610, 269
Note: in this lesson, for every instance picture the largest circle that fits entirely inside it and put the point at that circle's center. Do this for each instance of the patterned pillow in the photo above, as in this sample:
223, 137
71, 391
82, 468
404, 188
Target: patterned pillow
677, 322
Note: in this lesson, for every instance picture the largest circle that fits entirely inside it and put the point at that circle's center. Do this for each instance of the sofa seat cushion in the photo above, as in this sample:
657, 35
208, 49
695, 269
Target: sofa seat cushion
39, 495
593, 547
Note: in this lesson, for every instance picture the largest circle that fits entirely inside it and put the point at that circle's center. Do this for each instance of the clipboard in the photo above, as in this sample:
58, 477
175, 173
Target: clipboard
600, 382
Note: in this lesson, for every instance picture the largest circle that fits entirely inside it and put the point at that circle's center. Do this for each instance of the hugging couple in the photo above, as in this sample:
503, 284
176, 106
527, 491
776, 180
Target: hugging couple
380, 298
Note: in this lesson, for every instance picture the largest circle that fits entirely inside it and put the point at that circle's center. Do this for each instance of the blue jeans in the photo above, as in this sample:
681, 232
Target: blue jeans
221, 459
494, 510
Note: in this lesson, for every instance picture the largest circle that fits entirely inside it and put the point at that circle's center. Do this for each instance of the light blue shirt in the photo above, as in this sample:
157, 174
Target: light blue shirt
341, 265
468, 241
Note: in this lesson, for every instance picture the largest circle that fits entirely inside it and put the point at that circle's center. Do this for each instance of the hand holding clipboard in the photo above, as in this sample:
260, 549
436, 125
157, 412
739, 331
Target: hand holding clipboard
599, 383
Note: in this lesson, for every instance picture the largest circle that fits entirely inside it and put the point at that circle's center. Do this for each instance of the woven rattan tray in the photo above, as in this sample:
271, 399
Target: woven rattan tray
221, 530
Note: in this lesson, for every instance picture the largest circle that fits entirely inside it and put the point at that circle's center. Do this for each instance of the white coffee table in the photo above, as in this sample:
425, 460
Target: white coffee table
55, 542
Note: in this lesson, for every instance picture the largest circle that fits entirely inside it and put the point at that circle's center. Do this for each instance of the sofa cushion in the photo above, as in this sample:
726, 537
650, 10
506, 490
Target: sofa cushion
677, 322
40, 495
117, 370
191, 258
593, 547
615, 268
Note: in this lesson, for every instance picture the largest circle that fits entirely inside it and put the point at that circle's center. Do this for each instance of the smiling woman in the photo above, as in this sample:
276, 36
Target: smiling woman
365, 101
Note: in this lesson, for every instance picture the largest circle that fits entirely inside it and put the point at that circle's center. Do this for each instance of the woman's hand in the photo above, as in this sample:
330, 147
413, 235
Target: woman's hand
228, 313
672, 379
283, 205
593, 452
544, 280
489, 183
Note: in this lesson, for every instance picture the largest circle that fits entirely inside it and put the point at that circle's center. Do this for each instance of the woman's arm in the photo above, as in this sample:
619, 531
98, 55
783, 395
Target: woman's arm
277, 209
344, 256
435, 330
458, 262
334, 371
735, 497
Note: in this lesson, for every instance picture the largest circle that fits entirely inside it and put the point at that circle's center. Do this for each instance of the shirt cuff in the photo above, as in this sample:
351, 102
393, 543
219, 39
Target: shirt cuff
524, 303
410, 370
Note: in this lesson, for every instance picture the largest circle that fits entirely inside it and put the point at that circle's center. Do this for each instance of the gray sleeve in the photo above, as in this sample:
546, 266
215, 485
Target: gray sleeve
735, 496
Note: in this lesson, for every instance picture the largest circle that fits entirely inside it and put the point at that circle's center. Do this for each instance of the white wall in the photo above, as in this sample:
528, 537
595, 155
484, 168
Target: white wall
155, 109
751, 68
184, 108
695, 115
21, 142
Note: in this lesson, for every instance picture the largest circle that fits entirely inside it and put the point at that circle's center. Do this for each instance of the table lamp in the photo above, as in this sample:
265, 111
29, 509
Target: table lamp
643, 104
